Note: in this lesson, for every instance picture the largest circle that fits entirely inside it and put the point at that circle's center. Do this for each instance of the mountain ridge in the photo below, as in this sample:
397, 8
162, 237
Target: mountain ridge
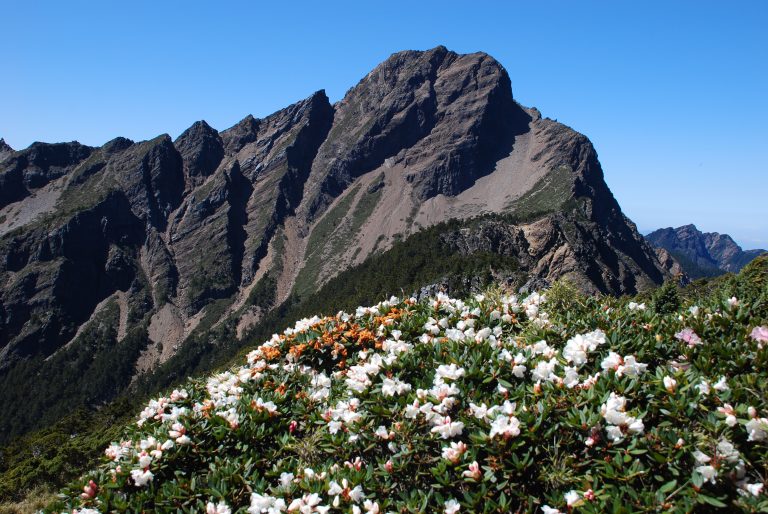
158, 241
702, 253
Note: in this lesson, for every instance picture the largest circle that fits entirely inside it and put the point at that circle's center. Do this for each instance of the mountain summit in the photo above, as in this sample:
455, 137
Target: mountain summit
132, 248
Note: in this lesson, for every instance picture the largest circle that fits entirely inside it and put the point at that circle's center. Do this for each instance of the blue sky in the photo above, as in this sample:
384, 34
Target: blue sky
674, 95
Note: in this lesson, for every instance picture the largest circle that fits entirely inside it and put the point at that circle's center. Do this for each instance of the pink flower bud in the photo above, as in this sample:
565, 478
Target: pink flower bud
389, 466
293, 426
90, 490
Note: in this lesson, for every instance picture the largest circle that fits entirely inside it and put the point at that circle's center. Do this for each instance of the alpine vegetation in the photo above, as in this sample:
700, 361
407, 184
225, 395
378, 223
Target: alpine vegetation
551, 402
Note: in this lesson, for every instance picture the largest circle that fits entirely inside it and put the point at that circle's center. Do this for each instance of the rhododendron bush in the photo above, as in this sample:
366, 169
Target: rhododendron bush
496, 403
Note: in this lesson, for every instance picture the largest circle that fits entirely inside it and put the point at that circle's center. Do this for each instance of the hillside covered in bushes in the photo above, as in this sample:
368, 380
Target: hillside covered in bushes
551, 402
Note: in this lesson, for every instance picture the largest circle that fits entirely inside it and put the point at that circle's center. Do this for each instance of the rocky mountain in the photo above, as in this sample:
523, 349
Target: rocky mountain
112, 259
702, 253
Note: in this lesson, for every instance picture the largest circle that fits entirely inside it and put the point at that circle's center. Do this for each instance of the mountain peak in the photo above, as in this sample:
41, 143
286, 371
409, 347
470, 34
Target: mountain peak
702, 254
5, 147
227, 226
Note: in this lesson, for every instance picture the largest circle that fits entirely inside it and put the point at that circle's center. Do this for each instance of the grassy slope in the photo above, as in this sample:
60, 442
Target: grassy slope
652, 470
40, 458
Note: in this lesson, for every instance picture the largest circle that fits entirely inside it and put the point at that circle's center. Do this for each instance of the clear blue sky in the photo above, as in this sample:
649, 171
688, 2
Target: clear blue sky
674, 95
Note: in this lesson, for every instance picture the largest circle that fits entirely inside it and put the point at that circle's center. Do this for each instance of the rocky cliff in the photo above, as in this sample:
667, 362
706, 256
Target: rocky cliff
147, 243
702, 253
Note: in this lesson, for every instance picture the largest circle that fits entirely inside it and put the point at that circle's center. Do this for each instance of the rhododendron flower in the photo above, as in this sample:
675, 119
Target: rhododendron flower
446, 428
708, 472
308, 504
266, 504
757, 429
753, 489
573, 498
721, 385
612, 361
451, 507
390, 387
701, 457
732, 302
633, 306
546, 509
730, 414
219, 508
760, 334
631, 367
670, 384
141, 477
505, 426
89, 490
687, 335
473, 472
619, 421
454, 452
451, 372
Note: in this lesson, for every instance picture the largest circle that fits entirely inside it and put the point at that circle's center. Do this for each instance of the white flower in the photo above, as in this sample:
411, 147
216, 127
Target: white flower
308, 504
708, 472
721, 385
390, 387
613, 361
701, 457
451, 371
703, 387
446, 428
473, 471
571, 378
633, 306
670, 384
371, 507
505, 426
286, 479
144, 460
578, 347
631, 367
546, 509
757, 428
452, 507
753, 489
727, 451
266, 504
573, 498
733, 302
219, 508
141, 477
454, 452
382, 433
614, 413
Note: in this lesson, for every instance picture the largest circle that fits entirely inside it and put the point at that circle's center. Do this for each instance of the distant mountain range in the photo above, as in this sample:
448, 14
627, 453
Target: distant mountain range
702, 254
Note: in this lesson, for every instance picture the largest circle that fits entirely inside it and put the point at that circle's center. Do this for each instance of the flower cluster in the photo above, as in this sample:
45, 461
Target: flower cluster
446, 405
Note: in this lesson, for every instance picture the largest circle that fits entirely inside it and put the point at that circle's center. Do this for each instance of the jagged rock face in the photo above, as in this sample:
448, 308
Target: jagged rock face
167, 230
201, 150
446, 117
23, 172
702, 253
5, 149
